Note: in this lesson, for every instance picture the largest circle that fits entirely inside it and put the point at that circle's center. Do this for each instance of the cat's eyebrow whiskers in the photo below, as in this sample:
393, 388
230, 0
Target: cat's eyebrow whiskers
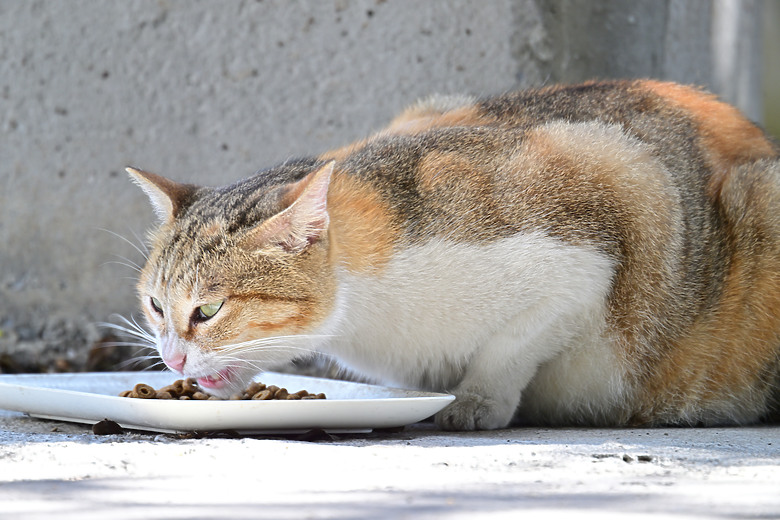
124, 262
143, 252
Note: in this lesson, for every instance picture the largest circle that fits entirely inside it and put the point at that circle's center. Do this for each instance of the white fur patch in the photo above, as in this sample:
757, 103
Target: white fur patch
432, 318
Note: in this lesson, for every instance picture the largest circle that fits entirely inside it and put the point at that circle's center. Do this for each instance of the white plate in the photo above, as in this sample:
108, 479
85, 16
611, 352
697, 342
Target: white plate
92, 397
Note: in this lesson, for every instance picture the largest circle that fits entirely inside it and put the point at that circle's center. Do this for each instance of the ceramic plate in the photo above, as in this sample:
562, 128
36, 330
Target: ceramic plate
92, 397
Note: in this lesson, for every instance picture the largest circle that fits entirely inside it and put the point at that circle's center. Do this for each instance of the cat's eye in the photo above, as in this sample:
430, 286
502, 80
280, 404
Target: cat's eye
156, 305
207, 311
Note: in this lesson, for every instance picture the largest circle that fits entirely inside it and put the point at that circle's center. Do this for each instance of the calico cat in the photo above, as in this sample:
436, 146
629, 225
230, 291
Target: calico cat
597, 254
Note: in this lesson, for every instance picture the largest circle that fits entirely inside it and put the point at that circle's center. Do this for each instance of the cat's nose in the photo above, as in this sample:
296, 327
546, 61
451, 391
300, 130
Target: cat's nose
176, 362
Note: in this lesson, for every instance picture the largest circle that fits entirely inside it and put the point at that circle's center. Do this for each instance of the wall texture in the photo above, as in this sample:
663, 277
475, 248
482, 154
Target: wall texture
209, 92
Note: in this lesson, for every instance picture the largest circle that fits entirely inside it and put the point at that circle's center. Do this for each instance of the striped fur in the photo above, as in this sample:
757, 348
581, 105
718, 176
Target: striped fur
605, 253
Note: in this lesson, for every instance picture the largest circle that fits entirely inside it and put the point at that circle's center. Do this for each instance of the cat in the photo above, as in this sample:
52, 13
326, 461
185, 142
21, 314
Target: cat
598, 254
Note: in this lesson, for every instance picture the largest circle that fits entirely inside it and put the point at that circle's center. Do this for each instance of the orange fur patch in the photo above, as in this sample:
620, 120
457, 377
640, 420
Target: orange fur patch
361, 232
270, 327
730, 138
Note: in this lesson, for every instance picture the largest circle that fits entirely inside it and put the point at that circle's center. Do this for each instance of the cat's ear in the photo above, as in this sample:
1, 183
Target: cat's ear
167, 197
305, 219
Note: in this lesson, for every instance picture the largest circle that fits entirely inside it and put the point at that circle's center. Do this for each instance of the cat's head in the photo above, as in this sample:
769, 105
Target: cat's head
237, 276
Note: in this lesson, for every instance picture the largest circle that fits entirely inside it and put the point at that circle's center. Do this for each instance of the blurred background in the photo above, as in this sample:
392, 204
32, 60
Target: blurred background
771, 67
209, 92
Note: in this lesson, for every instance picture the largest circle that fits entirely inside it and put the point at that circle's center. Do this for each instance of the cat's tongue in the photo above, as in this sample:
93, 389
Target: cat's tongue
218, 380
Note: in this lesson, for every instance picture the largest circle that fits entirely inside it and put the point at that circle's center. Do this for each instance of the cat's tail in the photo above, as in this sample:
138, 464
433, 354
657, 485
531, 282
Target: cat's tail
750, 205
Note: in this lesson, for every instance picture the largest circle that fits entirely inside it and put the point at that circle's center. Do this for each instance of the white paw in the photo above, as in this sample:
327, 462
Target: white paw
472, 411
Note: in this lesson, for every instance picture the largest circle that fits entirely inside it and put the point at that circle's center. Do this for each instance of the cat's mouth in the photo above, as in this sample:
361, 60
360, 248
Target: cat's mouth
217, 381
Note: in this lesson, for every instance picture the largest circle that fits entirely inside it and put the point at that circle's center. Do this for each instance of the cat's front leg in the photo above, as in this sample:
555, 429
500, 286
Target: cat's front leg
489, 393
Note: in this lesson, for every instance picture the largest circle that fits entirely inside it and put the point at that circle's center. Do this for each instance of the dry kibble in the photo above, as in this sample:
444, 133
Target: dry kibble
188, 390
263, 395
144, 391
173, 390
189, 386
253, 388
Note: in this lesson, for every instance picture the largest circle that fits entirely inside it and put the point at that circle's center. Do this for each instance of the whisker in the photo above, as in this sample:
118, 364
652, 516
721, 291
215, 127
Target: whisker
141, 241
125, 239
139, 335
272, 341
131, 328
128, 264
108, 344
135, 361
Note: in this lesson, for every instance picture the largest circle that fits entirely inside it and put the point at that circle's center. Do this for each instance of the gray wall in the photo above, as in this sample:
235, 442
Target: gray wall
209, 92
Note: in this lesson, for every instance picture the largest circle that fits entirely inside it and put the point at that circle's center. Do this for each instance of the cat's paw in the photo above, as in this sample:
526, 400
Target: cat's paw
472, 411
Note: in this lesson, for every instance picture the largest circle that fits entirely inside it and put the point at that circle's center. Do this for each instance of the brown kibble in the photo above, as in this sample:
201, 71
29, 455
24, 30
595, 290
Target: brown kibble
253, 388
263, 395
189, 386
188, 389
144, 391
174, 390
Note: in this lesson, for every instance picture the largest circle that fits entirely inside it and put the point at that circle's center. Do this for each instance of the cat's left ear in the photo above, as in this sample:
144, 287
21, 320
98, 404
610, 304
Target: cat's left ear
305, 219
167, 197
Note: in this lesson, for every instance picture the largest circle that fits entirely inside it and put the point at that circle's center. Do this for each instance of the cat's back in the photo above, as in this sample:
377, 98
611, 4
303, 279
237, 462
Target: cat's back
448, 155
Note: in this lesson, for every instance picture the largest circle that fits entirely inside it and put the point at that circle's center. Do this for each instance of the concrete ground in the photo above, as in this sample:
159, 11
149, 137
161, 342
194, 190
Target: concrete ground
59, 470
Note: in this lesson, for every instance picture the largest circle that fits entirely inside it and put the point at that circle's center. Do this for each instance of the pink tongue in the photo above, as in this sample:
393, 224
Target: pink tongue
217, 381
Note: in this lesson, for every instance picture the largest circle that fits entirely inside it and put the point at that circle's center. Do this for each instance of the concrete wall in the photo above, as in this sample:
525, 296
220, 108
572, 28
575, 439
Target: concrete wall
209, 92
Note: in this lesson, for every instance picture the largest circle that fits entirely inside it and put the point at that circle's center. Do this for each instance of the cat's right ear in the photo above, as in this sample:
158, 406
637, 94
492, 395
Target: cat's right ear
167, 197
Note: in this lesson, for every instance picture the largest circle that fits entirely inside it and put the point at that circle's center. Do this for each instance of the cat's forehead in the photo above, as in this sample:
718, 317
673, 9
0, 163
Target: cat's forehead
242, 204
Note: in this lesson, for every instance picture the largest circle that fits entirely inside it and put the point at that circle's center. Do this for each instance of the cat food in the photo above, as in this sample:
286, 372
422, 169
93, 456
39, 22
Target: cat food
187, 389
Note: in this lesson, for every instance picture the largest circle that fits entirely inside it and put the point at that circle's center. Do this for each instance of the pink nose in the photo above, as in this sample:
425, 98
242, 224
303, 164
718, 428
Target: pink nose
176, 362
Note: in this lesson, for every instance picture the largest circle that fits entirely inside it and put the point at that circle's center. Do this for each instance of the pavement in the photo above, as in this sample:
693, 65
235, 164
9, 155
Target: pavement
51, 469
